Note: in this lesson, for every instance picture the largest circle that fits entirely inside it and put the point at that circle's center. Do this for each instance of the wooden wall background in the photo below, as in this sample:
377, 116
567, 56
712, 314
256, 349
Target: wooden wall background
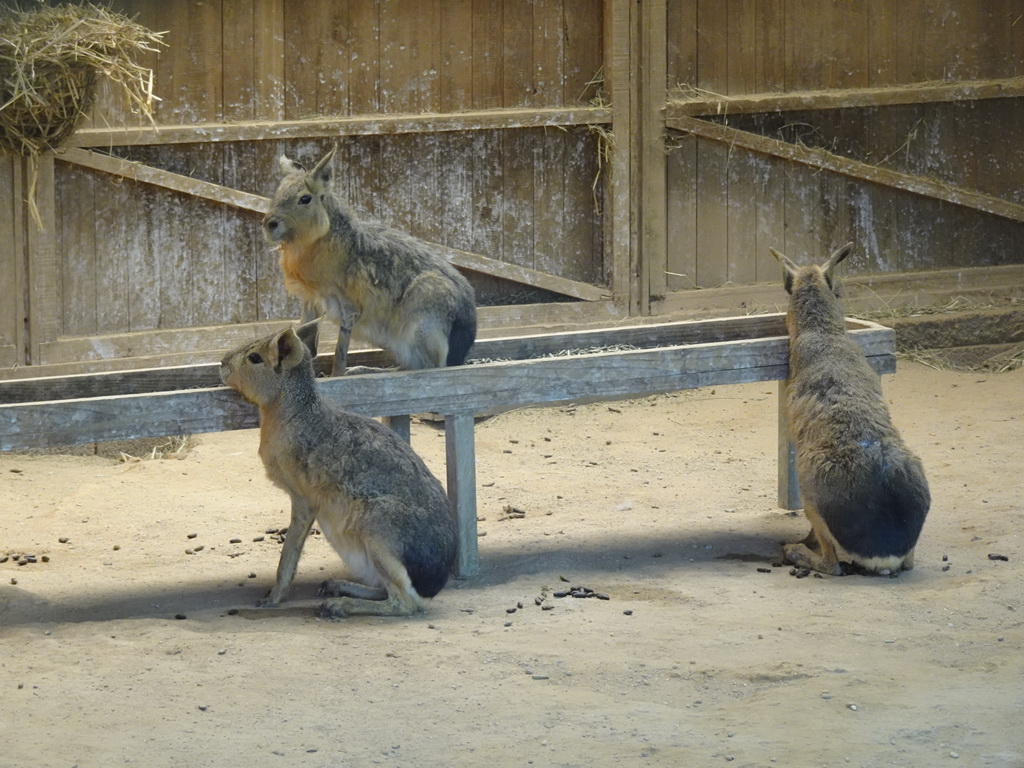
604, 155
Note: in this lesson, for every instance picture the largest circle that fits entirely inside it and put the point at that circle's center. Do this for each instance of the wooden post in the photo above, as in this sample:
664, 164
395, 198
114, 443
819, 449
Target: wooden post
461, 459
399, 425
789, 487
649, 172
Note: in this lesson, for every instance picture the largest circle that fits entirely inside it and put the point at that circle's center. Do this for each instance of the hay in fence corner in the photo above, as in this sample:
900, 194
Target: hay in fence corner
50, 60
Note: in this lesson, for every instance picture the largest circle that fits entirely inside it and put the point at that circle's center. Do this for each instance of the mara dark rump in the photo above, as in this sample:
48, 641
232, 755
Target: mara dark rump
385, 286
864, 492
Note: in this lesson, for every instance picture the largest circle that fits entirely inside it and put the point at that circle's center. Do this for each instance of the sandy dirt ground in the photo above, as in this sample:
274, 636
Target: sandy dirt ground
118, 647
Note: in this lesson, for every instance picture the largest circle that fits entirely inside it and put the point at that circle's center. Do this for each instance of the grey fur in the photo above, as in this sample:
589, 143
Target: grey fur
864, 491
385, 286
373, 497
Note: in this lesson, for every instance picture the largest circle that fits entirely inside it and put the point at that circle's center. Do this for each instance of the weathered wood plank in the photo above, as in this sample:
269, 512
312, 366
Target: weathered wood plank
333, 127
818, 158
738, 331
461, 390
683, 104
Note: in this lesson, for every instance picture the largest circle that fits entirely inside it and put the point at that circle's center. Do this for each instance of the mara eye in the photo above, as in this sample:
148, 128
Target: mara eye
254, 358
305, 200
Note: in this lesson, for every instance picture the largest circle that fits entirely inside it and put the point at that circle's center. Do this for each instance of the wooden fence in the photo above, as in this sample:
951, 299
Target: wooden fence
579, 159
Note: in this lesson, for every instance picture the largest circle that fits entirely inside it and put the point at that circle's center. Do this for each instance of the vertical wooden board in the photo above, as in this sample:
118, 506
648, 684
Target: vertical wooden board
742, 46
239, 60
1005, 38
849, 46
117, 220
268, 59
488, 53
399, 177
196, 51
712, 214
803, 213
487, 182
876, 212
332, 36
741, 238
681, 205
410, 43
76, 248
517, 82
43, 284
362, 170
519, 216
883, 44
581, 70
808, 53
582, 244
769, 216
206, 240
548, 53
713, 51
302, 40
364, 57
242, 237
457, 209
11, 259
456, 56
770, 46
619, 182
971, 52
681, 44
923, 53
549, 204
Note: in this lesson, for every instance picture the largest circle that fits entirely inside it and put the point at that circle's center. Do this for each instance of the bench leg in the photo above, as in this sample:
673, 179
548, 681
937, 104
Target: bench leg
461, 460
789, 487
399, 425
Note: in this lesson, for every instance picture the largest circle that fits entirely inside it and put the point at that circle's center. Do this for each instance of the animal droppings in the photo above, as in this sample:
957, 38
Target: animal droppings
994, 556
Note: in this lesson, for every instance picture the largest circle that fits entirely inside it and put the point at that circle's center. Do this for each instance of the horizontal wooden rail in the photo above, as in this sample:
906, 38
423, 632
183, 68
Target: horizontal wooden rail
696, 103
332, 127
728, 351
246, 201
820, 158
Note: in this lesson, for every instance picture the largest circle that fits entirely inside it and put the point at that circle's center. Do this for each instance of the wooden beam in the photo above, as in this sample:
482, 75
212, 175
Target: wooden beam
694, 103
259, 204
651, 159
177, 182
617, 153
819, 158
462, 390
320, 127
43, 283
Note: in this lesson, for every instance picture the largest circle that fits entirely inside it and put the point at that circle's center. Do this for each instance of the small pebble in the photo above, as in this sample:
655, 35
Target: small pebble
252, 575
180, 616
945, 567
994, 556
14, 581
63, 540
222, 651
551, 608
192, 535
852, 706
508, 623
954, 754
232, 611
540, 677
627, 612
764, 570
511, 610
235, 541
117, 547
202, 707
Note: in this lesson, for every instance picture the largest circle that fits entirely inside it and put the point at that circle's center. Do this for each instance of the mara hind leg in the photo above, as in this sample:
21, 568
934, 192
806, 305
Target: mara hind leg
817, 550
396, 598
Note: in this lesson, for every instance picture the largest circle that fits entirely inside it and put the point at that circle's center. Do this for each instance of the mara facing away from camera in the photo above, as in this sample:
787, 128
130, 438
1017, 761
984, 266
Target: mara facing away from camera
864, 492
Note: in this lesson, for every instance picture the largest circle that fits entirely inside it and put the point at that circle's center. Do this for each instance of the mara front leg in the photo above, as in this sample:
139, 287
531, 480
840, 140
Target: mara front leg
347, 314
298, 530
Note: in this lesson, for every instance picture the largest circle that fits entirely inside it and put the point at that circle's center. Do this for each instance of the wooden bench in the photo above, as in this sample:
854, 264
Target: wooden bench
546, 369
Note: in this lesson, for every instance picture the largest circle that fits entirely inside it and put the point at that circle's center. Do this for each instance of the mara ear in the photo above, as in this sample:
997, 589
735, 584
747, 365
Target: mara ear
789, 269
290, 349
324, 170
288, 165
837, 256
307, 333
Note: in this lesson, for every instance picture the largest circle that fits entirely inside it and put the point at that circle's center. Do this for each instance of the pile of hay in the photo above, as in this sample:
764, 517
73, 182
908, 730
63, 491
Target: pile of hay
50, 58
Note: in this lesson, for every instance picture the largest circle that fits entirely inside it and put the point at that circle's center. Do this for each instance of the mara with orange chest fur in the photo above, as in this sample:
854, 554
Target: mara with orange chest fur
375, 500
864, 492
382, 285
